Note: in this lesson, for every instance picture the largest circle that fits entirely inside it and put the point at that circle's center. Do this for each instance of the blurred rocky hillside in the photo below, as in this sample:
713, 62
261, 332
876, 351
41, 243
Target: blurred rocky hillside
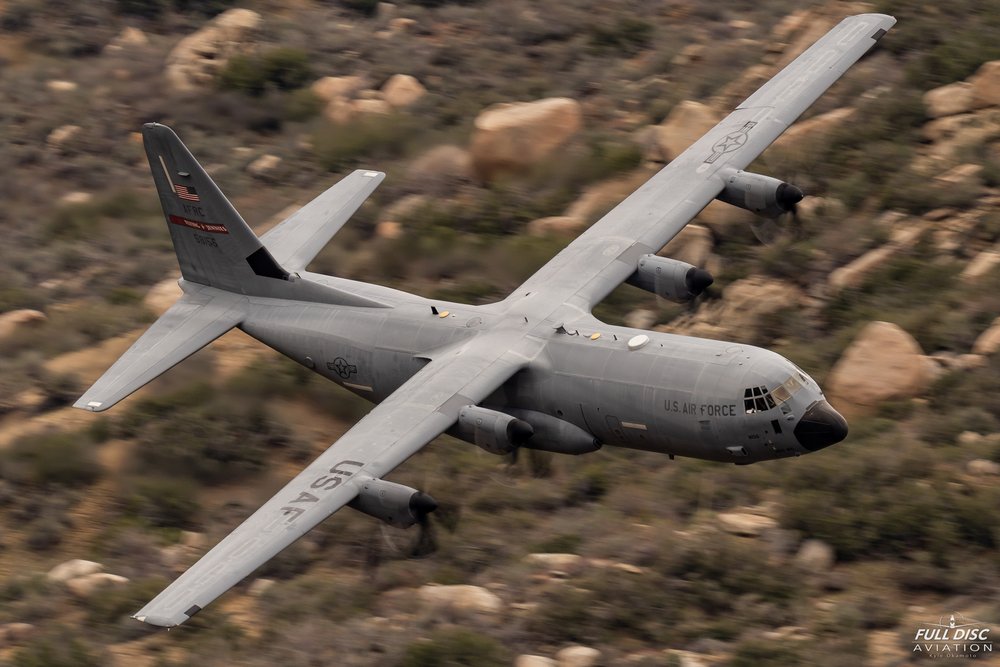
506, 128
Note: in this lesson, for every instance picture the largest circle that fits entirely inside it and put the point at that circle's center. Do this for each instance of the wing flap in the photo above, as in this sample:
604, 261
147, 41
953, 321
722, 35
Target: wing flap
186, 327
420, 410
295, 241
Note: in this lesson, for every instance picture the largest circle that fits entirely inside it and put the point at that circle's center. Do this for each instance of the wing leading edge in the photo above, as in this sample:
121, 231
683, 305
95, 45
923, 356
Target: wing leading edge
604, 256
420, 410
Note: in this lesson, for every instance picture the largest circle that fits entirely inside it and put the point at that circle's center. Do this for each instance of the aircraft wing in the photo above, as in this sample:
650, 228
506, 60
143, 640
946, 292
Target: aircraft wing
186, 327
420, 410
604, 256
296, 240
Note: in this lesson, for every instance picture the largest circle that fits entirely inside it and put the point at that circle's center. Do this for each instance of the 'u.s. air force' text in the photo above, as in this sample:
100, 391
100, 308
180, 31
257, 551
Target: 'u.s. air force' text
701, 409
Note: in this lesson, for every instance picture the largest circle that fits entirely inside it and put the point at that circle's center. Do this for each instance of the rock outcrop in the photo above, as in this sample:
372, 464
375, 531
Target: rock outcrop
513, 137
460, 598
198, 58
746, 524
85, 586
683, 126
72, 569
744, 308
578, 656
988, 342
17, 320
883, 363
402, 90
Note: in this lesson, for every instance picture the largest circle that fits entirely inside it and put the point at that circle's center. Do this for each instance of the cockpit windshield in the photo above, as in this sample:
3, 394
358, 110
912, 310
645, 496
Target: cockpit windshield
759, 399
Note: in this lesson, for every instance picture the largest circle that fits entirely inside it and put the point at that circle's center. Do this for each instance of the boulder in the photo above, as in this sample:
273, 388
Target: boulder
330, 88
340, 111
745, 306
58, 137
371, 106
128, 38
198, 58
640, 318
564, 225
949, 100
693, 245
15, 633
514, 137
988, 342
402, 90
815, 556
883, 363
854, 273
556, 561
60, 86
685, 124
578, 656
162, 295
982, 467
534, 661
814, 129
85, 586
388, 229
446, 162
264, 166
17, 320
401, 25
745, 524
460, 598
72, 569
404, 208
985, 85
259, 587
76, 198
600, 198
980, 265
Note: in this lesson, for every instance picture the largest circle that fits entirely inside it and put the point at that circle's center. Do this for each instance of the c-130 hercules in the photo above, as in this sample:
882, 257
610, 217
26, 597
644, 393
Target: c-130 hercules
535, 370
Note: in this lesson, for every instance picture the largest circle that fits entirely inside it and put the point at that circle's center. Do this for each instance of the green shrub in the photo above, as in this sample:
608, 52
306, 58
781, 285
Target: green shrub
372, 137
455, 648
201, 434
60, 647
54, 459
628, 35
280, 68
165, 502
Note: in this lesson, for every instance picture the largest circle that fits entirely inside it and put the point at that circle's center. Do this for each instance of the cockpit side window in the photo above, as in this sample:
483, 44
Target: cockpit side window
757, 399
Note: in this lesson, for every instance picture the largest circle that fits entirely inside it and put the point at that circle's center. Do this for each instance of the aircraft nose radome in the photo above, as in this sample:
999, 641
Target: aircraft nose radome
821, 426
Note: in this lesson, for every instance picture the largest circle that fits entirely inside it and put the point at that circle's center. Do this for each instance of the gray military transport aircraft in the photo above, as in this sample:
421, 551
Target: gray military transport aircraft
535, 370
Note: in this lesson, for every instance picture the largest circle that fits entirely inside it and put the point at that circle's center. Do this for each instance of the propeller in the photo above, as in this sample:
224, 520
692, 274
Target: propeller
771, 230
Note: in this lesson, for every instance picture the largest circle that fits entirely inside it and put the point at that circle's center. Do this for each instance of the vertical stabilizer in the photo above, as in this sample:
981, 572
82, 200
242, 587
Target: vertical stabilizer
214, 245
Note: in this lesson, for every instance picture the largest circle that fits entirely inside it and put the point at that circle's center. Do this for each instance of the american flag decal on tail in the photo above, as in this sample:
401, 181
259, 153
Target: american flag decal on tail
186, 192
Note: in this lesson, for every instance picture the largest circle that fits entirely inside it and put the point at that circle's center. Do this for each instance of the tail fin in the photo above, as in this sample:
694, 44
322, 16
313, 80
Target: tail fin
216, 248
214, 245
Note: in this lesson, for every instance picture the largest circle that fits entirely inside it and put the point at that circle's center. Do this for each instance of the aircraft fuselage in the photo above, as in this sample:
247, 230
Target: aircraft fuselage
674, 394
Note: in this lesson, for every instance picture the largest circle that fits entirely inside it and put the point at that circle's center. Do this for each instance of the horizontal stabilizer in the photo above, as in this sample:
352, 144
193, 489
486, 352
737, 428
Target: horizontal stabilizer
298, 239
189, 325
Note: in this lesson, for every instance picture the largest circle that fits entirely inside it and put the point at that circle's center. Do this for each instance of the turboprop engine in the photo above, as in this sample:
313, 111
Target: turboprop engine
671, 279
763, 195
397, 505
496, 432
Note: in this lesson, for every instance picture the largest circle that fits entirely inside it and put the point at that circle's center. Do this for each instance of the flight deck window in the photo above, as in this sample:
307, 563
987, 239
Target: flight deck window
757, 399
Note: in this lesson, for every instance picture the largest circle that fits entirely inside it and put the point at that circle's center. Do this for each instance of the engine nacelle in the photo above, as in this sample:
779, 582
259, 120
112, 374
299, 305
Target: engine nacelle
555, 435
496, 432
397, 505
763, 195
670, 278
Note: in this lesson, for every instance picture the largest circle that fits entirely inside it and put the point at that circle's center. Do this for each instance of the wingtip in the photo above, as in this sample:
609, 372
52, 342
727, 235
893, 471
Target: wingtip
157, 621
91, 405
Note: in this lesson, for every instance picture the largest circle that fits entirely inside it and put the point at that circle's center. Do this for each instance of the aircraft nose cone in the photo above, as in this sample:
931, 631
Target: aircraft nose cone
821, 426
